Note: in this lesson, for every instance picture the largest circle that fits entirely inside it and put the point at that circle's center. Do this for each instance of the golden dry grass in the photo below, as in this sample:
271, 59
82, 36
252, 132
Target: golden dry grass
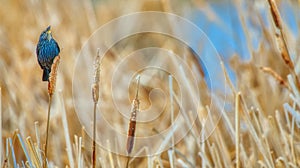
265, 121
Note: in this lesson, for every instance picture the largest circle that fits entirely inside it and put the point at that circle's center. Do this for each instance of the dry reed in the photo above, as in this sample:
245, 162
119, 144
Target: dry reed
95, 94
237, 129
132, 121
276, 76
282, 43
1, 126
275, 14
34, 154
269, 115
51, 90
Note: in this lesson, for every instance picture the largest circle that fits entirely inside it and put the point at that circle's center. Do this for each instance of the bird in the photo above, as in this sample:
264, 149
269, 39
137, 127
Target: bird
47, 49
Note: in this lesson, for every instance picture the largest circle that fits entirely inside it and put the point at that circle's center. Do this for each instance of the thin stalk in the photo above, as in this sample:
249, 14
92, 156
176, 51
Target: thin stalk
34, 154
171, 153
95, 94
51, 90
47, 132
12, 152
1, 152
66, 130
37, 134
127, 163
132, 122
237, 128
24, 150
94, 136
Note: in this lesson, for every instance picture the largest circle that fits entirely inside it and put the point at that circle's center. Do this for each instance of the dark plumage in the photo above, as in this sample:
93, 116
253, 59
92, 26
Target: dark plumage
47, 49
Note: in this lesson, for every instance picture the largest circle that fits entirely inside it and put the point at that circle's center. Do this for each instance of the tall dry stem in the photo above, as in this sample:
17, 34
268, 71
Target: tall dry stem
277, 77
237, 128
51, 90
132, 123
0, 125
95, 94
282, 44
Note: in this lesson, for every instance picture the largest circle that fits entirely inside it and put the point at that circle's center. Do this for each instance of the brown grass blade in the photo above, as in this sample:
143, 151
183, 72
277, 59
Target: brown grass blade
276, 76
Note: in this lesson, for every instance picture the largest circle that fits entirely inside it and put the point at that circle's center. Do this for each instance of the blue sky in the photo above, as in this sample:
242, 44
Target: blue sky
227, 35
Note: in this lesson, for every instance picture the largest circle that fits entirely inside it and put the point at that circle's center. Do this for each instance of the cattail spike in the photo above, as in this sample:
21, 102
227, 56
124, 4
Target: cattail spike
275, 14
95, 94
130, 139
95, 86
53, 76
132, 122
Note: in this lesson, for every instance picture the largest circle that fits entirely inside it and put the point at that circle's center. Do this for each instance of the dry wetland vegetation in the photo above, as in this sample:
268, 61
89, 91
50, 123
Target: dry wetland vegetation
260, 126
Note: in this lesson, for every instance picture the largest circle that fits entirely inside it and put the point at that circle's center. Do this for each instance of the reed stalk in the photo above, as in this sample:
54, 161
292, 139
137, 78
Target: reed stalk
51, 90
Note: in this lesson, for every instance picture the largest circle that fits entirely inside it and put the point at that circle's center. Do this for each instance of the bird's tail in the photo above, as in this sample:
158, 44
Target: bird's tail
46, 74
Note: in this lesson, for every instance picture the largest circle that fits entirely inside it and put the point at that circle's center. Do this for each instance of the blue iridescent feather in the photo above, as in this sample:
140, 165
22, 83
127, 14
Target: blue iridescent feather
47, 49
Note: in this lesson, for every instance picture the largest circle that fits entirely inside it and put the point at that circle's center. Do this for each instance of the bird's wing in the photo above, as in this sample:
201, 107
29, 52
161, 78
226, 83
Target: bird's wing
37, 54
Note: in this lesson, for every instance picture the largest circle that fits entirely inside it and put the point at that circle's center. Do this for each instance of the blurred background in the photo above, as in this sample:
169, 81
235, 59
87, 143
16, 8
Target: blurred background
244, 36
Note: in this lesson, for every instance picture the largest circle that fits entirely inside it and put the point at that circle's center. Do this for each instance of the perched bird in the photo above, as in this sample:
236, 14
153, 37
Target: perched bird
47, 49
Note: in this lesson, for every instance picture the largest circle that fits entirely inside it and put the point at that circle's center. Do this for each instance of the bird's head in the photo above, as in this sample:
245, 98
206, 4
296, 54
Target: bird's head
46, 34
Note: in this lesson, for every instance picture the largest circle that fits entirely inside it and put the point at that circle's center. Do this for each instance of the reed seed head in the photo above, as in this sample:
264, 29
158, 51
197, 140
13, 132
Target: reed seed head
275, 75
132, 122
53, 76
275, 14
95, 86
